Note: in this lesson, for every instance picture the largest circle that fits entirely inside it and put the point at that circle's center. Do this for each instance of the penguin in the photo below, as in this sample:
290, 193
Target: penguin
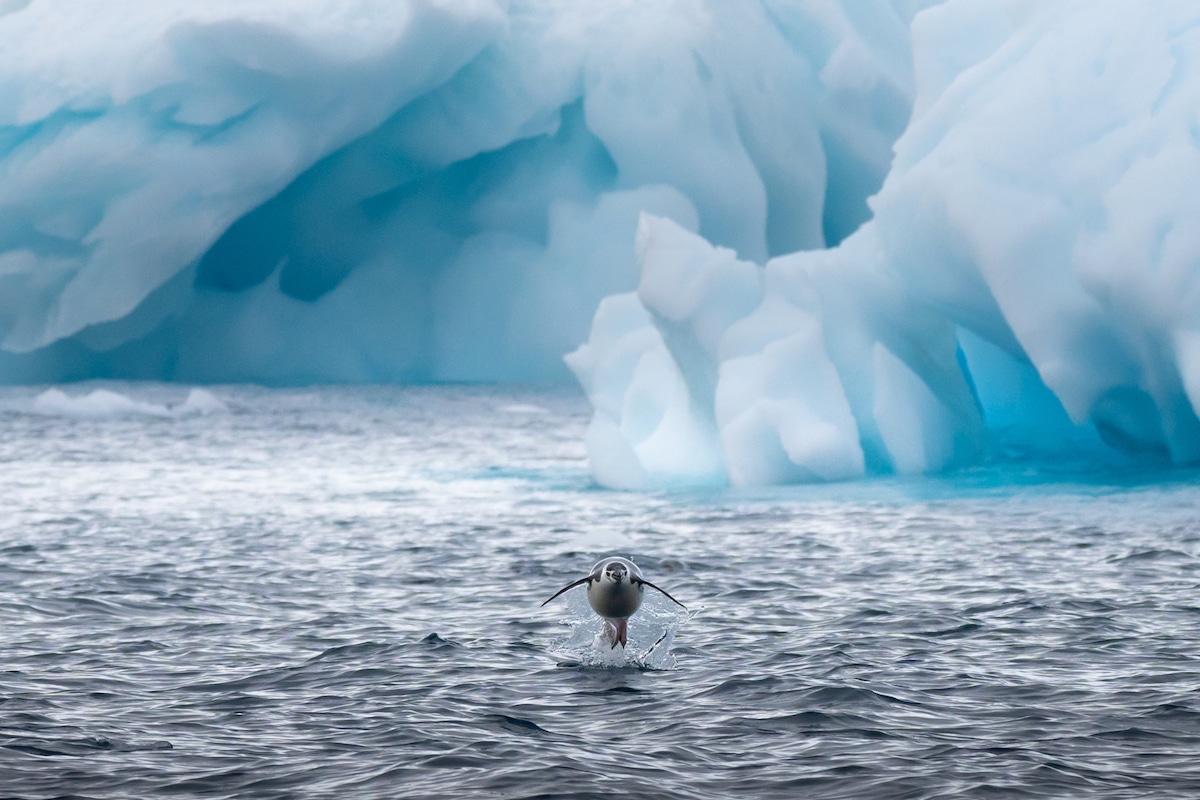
614, 591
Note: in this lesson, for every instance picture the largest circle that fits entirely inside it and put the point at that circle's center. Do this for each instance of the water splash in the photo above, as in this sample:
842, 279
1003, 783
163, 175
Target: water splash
651, 633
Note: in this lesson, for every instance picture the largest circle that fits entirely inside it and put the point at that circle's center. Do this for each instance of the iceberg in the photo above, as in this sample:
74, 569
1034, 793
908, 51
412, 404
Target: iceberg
815, 239
417, 190
1031, 268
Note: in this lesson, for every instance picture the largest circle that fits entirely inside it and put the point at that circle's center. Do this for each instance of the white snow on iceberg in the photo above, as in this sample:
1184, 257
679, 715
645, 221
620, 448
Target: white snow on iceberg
406, 190
1034, 261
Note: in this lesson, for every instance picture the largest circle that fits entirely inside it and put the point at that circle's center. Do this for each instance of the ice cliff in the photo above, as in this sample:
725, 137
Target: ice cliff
445, 190
388, 190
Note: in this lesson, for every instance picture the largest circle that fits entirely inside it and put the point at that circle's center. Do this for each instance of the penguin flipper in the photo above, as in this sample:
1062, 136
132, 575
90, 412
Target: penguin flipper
572, 585
664, 591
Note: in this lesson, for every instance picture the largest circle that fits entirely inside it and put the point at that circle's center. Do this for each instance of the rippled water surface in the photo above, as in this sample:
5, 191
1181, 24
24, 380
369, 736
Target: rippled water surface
335, 592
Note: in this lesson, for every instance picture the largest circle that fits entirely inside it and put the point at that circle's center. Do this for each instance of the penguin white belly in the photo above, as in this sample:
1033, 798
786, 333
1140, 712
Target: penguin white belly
614, 600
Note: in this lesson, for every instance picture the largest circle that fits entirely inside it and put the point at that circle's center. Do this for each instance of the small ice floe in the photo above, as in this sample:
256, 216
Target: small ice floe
107, 404
523, 409
200, 402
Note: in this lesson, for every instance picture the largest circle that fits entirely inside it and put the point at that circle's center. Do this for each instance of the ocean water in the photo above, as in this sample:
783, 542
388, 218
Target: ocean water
335, 593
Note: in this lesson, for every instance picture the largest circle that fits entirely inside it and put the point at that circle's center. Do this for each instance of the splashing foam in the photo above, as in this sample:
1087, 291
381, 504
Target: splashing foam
651, 633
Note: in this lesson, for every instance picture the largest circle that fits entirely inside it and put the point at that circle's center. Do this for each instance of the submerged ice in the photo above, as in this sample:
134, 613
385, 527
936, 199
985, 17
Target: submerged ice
376, 191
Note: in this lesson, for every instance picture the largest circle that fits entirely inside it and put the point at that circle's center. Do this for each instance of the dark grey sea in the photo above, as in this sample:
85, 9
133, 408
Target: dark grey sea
334, 593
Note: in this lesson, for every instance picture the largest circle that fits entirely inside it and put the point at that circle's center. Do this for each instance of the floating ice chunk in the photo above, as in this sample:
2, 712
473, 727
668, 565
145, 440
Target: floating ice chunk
106, 404
523, 409
200, 402
97, 404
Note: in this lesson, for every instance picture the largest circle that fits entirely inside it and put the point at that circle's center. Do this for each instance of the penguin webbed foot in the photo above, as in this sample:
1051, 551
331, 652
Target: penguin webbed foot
617, 631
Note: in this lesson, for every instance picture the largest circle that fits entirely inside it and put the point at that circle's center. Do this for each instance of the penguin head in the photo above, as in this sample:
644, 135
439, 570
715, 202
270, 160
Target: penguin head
617, 570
